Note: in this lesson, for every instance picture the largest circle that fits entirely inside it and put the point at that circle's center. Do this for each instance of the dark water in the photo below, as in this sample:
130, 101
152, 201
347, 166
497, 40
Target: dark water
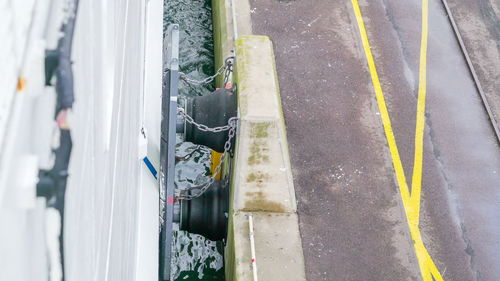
196, 40
194, 257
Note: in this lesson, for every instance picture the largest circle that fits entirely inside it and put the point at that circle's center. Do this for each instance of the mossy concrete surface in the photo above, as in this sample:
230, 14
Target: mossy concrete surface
262, 178
262, 174
223, 39
262, 181
223, 29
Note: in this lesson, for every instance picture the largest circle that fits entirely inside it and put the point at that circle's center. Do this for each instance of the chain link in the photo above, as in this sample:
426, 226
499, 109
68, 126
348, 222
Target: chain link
232, 125
202, 127
226, 69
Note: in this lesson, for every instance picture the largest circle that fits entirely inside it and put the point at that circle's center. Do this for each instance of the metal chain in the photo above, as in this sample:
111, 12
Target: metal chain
227, 67
202, 127
232, 124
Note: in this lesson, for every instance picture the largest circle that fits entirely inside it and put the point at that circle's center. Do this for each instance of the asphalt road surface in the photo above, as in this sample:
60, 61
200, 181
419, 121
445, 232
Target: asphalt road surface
478, 22
352, 214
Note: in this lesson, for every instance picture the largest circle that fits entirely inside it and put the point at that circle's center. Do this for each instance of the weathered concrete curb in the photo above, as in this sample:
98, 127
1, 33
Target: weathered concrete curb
262, 181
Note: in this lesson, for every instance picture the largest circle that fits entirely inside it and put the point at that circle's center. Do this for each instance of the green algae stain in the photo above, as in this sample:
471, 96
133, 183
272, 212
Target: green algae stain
260, 130
259, 203
258, 153
259, 178
259, 148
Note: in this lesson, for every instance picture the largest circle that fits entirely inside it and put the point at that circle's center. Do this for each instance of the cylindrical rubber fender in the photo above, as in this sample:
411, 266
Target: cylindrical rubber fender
212, 110
207, 214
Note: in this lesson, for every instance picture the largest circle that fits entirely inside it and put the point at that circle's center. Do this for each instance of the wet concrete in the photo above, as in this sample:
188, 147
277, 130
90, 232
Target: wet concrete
351, 218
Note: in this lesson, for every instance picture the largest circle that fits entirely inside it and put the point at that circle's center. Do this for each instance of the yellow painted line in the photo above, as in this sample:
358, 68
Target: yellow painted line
384, 114
411, 202
416, 182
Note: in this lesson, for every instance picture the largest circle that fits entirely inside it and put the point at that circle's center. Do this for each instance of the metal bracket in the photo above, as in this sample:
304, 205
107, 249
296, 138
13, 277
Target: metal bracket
170, 92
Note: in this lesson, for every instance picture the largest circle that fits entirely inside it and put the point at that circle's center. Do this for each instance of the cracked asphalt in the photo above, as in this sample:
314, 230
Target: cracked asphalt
351, 216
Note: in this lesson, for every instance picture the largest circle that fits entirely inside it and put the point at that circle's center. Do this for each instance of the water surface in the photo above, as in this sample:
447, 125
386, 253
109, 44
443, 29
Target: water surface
194, 257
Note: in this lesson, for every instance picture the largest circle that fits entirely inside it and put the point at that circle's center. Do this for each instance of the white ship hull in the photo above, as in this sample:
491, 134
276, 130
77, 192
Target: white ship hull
111, 218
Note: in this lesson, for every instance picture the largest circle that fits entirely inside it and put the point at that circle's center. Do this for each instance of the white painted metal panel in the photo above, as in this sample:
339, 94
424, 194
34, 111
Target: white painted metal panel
111, 223
22, 247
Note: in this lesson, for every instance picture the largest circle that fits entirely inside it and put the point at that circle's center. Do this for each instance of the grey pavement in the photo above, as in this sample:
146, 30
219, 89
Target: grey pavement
351, 216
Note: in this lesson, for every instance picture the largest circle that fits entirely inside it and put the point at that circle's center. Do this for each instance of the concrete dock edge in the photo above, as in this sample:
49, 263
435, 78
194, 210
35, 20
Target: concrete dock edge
262, 183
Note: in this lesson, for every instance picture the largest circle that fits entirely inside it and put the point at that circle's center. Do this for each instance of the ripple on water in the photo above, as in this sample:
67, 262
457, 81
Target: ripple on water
196, 52
194, 257
193, 168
